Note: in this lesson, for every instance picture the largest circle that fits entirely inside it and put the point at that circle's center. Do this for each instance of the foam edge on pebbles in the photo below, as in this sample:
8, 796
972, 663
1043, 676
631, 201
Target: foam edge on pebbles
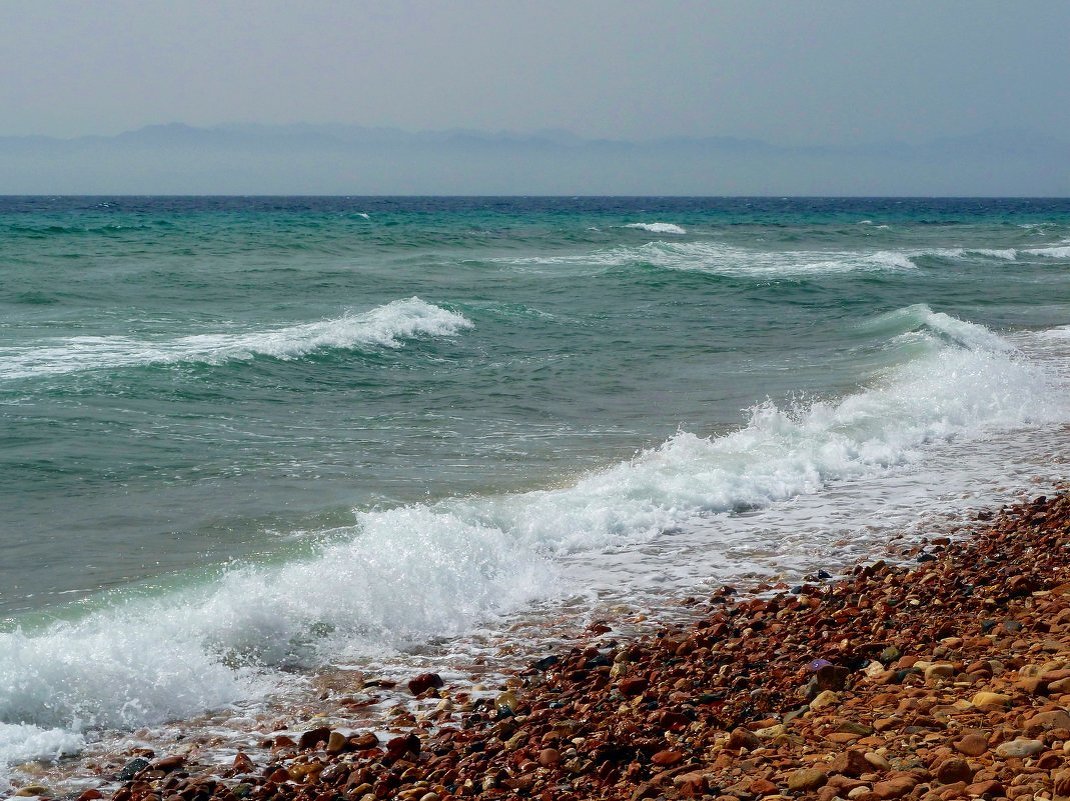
946, 679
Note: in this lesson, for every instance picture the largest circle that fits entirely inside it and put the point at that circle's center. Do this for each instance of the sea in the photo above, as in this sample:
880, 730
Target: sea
247, 443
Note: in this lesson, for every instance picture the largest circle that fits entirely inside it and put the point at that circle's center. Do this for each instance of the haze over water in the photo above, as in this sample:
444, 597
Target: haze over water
243, 436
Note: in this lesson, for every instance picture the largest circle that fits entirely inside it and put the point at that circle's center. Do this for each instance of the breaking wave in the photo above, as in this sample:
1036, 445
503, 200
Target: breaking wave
408, 574
387, 326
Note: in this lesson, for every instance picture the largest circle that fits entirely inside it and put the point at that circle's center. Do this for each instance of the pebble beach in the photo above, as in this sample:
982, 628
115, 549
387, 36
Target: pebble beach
942, 675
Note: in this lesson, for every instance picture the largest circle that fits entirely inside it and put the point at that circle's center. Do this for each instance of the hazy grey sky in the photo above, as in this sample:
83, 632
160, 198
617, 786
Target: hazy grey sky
793, 71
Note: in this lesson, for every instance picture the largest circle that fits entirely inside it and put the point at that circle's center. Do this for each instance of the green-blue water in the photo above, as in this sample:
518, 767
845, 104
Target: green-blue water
447, 396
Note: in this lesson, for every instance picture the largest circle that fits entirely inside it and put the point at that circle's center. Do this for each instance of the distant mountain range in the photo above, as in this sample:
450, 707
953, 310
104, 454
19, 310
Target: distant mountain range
341, 159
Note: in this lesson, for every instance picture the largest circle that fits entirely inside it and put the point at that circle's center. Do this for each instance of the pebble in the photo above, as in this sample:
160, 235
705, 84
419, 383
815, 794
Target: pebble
985, 699
824, 698
1020, 748
971, 745
806, 779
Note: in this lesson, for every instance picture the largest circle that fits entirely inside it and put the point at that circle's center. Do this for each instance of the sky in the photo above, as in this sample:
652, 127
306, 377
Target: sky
792, 72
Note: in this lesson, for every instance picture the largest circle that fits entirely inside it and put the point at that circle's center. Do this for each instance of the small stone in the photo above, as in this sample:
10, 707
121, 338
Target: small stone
985, 699
806, 779
692, 784
666, 758
824, 698
1061, 782
313, 737
365, 741
397, 747
987, 789
507, 700
132, 768
743, 738
92, 794
761, 786
33, 790
850, 763
424, 682
1020, 748
336, 743
772, 732
940, 670
894, 788
169, 763
634, 685
954, 770
877, 761
548, 757
429, 797
971, 745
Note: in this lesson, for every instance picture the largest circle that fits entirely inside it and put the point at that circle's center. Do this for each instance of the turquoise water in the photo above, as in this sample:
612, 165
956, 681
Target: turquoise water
385, 420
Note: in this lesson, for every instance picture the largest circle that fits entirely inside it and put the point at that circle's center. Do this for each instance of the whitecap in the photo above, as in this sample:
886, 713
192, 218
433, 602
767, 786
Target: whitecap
658, 227
387, 326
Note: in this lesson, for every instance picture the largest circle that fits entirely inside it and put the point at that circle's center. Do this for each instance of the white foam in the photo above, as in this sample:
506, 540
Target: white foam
23, 743
1055, 252
658, 228
387, 326
720, 259
413, 573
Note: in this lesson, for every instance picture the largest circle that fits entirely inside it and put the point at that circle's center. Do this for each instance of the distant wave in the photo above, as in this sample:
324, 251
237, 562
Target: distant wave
658, 227
1056, 252
717, 258
387, 326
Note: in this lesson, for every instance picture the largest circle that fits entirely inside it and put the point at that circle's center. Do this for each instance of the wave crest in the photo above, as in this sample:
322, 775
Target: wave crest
658, 227
387, 326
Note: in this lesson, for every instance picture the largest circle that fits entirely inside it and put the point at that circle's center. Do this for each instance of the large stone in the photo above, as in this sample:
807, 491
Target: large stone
850, 763
424, 682
990, 700
971, 745
632, 685
132, 768
832, 677
987, 789
894, 788
743, 738
806, 779
877, 761
313, 737
939, 670
1044, 721
824, 699
548, 757
169, 763
954, 770
666, 758
1020, 748
1061, 783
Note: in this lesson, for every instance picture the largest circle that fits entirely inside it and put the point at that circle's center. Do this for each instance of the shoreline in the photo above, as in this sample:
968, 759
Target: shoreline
947, 679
